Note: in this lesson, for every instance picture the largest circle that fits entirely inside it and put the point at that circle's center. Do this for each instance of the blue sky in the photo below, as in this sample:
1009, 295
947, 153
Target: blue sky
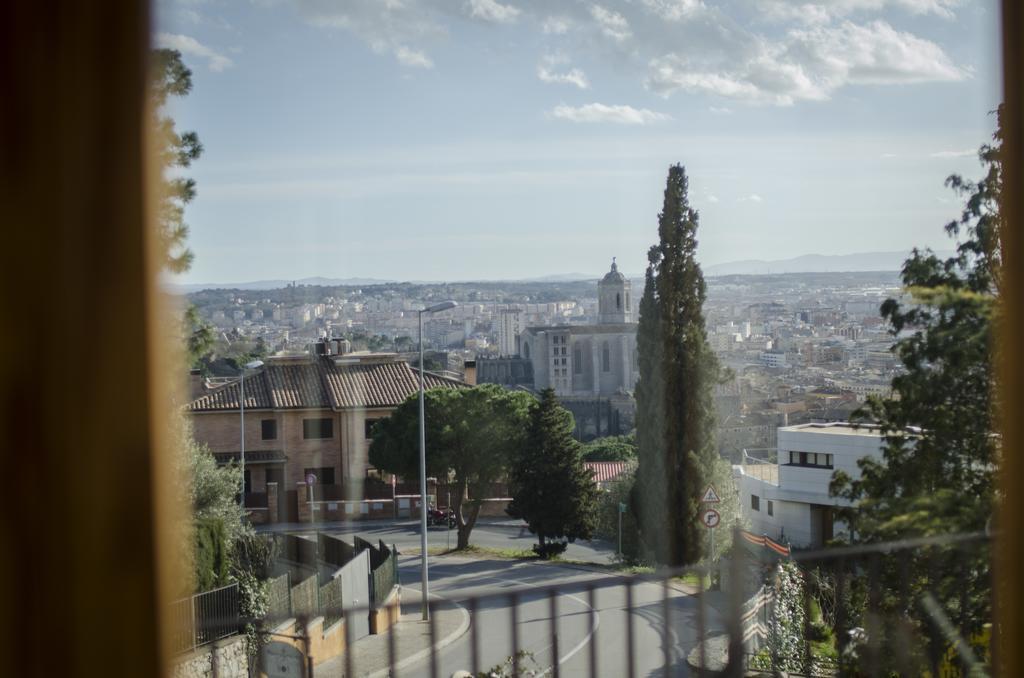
471, 139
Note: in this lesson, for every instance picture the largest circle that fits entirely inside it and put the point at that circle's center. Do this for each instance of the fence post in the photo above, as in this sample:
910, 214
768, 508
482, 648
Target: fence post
194, 628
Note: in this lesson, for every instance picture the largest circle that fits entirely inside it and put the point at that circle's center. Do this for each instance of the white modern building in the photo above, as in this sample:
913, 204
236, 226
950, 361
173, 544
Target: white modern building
789, 500
509, 327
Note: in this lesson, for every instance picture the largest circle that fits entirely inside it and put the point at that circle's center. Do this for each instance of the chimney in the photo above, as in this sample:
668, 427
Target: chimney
196, 384
470, 369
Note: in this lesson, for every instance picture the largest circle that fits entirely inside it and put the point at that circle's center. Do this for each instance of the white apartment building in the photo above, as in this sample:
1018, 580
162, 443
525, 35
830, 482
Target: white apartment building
789, 501
509, 327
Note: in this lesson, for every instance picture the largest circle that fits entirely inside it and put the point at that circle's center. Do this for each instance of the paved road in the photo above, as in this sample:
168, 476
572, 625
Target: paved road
583, 626
505, 534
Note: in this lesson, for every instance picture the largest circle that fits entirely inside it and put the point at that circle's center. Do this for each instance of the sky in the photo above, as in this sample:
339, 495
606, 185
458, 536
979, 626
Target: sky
500, 139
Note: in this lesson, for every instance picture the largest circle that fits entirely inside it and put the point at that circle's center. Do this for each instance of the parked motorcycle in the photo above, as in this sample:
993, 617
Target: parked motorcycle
444, 517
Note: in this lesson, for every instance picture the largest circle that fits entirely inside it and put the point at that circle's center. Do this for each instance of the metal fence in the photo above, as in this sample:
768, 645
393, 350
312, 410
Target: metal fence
204, 617
384, 577
710, 632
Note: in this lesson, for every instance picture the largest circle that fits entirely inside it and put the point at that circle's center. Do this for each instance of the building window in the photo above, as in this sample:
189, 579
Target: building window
771, 507
268, 429
324, 474
627, 301
317, 429
526, 351
606, 358
811, 459
755, 502
368, 425
618, 301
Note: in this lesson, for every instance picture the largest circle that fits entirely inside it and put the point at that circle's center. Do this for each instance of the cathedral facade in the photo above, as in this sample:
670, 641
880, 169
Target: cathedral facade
589, 361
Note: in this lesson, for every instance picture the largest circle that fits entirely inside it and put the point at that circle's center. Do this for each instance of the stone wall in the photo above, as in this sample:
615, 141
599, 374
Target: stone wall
229, 655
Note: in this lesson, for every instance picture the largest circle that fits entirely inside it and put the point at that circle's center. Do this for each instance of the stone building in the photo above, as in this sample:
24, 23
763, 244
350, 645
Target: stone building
592, 368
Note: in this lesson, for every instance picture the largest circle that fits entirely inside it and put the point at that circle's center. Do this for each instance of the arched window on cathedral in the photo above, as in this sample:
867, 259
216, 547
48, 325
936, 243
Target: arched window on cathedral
627, 301
577, 360
618, 300
526, 350
606, 358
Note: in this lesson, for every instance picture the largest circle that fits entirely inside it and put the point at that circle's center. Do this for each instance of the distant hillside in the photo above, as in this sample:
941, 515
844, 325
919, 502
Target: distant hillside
279, 284
817, 263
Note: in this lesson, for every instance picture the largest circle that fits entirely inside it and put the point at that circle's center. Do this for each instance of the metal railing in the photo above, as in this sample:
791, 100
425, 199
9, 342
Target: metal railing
204, 617
671, 623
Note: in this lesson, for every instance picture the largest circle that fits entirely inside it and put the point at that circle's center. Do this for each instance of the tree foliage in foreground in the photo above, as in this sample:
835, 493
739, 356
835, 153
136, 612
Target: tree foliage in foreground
675, 410
472, 436
551, 488
940, 454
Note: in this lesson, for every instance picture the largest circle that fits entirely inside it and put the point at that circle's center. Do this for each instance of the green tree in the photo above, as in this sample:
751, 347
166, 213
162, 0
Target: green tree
169, 77
611, 448
199, 336
940, 451
675, 410
471, 435
551, 488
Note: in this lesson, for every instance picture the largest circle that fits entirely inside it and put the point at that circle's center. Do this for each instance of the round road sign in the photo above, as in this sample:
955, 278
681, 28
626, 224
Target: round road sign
710, 518
310, 479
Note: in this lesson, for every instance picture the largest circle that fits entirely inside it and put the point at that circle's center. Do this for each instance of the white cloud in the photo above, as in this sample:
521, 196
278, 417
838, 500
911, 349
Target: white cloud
215, 61
547, 74
612, 24
954, 154
822, 11
623, 115
556, 25
809, 64
720, 110
413, 58
753, 197
491, 10
674, 10
712, 198
888, 155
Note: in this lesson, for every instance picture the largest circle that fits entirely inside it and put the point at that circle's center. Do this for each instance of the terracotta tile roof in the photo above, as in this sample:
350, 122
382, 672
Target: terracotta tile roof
607, 471
322, 385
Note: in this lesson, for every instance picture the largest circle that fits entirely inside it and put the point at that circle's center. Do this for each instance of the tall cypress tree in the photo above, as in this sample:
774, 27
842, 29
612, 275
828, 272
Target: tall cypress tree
675, 411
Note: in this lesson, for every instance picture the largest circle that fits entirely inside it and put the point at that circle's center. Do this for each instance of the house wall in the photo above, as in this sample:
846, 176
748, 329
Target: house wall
346, 451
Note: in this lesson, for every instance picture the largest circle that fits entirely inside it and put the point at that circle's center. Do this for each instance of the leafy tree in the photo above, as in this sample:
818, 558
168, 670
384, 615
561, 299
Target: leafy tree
170, 77
675, 410
940, 451
607, 518
472, 435
551, 488
611, 448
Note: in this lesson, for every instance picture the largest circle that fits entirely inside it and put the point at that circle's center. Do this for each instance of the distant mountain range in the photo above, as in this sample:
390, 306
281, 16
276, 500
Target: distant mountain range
807, 263
817, 263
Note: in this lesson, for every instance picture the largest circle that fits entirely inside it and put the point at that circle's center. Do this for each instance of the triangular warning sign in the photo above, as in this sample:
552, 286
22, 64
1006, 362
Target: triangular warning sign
710, 496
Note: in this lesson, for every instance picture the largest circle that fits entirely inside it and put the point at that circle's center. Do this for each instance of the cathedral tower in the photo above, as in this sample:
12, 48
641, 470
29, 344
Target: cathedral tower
615, 302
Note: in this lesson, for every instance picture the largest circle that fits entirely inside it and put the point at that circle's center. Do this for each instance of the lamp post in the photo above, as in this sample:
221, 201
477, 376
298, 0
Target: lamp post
424, 586
255, 364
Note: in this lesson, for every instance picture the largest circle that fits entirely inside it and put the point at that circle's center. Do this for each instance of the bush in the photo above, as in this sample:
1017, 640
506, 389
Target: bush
212, 558
550, 549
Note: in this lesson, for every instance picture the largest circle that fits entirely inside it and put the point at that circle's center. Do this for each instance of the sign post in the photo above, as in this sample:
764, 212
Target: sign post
710, 517
622, 509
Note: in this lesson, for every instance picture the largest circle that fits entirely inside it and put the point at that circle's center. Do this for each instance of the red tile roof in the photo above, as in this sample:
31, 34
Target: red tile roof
607, 471
322, 384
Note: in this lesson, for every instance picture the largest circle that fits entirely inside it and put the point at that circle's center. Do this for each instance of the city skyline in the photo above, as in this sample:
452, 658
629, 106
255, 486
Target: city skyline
514, 140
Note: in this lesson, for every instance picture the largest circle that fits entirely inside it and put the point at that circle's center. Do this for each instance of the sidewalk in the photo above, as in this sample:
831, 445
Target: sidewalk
412, 641
355, 525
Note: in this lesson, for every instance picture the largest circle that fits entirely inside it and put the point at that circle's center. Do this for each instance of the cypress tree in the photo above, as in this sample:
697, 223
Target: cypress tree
552, 490
675, 411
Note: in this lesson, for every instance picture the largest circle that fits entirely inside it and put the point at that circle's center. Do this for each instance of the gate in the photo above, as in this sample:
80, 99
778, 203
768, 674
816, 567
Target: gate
288, 510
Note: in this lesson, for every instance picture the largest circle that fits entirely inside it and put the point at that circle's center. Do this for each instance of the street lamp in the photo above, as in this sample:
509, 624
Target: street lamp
255, 364
436, 308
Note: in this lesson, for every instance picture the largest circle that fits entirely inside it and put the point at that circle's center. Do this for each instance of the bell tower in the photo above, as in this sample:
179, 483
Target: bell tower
614, 298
